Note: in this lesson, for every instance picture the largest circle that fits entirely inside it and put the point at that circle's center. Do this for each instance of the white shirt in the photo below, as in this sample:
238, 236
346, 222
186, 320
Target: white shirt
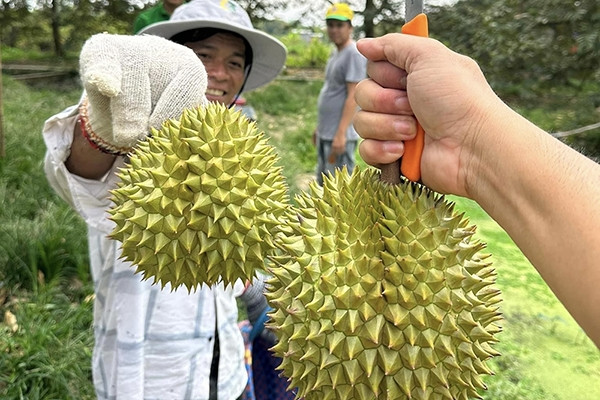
150, 344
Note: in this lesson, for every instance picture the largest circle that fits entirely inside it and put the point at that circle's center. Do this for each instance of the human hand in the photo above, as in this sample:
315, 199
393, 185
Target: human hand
133, 84
447, 92
338, 145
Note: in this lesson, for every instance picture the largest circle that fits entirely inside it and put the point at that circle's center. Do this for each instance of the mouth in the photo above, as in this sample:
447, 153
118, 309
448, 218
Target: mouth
214, 93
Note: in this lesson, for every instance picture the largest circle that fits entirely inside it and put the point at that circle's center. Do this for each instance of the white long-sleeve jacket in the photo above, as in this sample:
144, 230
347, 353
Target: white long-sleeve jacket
149, 343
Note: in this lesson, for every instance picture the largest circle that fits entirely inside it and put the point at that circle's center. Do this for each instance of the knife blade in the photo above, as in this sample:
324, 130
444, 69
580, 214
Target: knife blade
413, 8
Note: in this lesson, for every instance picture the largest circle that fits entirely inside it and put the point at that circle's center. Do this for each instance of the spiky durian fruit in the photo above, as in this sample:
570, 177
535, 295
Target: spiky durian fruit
200, 200
380, 293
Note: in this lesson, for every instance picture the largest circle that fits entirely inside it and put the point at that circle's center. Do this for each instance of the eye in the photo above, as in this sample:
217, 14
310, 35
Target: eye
236, 65
201, 55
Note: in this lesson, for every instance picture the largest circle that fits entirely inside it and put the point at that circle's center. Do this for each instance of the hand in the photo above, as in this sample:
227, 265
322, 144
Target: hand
338, 145
133, 84
446, 91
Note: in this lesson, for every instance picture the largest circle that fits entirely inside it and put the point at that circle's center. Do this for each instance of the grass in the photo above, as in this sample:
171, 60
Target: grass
287, 113
44, 278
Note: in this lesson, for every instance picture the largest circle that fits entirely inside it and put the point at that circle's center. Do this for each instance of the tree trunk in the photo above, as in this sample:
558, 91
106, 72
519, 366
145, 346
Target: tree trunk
58, 48
2, 150
369, 16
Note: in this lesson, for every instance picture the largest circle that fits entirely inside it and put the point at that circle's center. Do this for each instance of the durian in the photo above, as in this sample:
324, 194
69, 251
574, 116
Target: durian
200, 200
381, 292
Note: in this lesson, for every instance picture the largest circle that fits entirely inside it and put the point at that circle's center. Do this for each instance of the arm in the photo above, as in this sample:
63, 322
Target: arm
349, 110
543, 193
547, 197
86, 161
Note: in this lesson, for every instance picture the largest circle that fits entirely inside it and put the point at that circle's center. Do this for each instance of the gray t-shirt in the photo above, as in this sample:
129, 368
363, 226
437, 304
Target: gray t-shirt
344, 66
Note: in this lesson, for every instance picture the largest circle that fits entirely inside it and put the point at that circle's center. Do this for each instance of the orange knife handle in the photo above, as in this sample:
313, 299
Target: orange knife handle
413, 149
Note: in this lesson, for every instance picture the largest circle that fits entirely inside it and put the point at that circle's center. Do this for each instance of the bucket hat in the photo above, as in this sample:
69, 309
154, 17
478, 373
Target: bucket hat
268, 53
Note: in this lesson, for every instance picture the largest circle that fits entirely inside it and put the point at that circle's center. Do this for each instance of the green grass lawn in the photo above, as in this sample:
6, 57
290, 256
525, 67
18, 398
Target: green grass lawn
545, 355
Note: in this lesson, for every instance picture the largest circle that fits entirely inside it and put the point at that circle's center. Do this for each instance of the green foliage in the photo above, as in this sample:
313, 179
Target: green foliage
28, 24
48, 356
306, 51
524, 44
564, 109
539, 51
287, 112
39, 233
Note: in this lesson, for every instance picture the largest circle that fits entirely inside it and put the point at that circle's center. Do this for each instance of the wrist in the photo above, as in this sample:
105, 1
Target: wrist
92, 138
490, 150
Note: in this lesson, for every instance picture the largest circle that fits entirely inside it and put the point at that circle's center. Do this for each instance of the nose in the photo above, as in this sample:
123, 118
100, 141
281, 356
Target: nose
216, 70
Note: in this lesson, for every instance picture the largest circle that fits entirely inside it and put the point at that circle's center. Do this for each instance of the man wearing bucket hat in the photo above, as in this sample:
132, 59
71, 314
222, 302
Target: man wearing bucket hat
335, 137
152, 343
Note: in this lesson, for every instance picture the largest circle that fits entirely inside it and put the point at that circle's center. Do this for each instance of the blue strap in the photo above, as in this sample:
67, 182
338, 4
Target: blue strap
259, 325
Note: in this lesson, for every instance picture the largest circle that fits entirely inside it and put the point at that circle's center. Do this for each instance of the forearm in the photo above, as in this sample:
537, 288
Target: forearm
347, 115
85, 160
547, 197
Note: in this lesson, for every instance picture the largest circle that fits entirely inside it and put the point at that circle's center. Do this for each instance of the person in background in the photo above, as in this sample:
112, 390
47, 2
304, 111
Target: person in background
542, 192
152, 343
335, 137
161, 11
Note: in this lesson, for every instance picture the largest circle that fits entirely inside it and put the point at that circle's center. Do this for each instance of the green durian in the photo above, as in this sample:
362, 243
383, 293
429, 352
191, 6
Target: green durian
381, 292
200, 200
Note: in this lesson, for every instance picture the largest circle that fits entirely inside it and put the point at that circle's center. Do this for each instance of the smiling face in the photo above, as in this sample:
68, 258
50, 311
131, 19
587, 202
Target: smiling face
223, 56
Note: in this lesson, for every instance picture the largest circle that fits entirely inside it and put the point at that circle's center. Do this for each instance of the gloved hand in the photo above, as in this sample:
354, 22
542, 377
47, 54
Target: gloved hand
257, 309
133, 84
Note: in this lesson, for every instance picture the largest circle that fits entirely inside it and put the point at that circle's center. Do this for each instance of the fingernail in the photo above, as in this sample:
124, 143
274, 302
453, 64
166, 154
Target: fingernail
401, 102
395, 148
401, 126
403, 81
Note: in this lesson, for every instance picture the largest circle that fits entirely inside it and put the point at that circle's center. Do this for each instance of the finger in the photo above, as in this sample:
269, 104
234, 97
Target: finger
370, 96
378, 153
386, 74
370, 125
399, 49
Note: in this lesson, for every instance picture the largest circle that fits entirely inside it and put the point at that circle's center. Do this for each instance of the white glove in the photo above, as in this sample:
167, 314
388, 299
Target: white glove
133, 84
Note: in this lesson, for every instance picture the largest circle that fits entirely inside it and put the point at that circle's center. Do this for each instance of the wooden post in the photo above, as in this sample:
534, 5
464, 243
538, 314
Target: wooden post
2, 149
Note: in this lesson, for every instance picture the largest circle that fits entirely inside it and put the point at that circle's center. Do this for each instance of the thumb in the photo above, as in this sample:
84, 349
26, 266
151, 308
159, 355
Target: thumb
100, 65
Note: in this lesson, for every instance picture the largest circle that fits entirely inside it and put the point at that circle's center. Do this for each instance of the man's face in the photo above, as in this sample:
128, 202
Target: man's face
223, 56
339, 31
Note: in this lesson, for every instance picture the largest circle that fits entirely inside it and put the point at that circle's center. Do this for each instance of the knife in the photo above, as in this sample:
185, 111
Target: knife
410, 163
416, 24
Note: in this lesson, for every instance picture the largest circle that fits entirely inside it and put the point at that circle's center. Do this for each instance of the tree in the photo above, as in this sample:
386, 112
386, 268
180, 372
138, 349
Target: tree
13, 15
375, 17
262, 10
525, 44
55, 22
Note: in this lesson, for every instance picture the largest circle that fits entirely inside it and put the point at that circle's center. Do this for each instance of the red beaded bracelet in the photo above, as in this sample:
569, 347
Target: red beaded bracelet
94, 140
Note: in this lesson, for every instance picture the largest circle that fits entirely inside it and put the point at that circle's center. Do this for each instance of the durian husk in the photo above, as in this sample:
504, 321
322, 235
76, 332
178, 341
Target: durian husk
381, 292
200, 200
